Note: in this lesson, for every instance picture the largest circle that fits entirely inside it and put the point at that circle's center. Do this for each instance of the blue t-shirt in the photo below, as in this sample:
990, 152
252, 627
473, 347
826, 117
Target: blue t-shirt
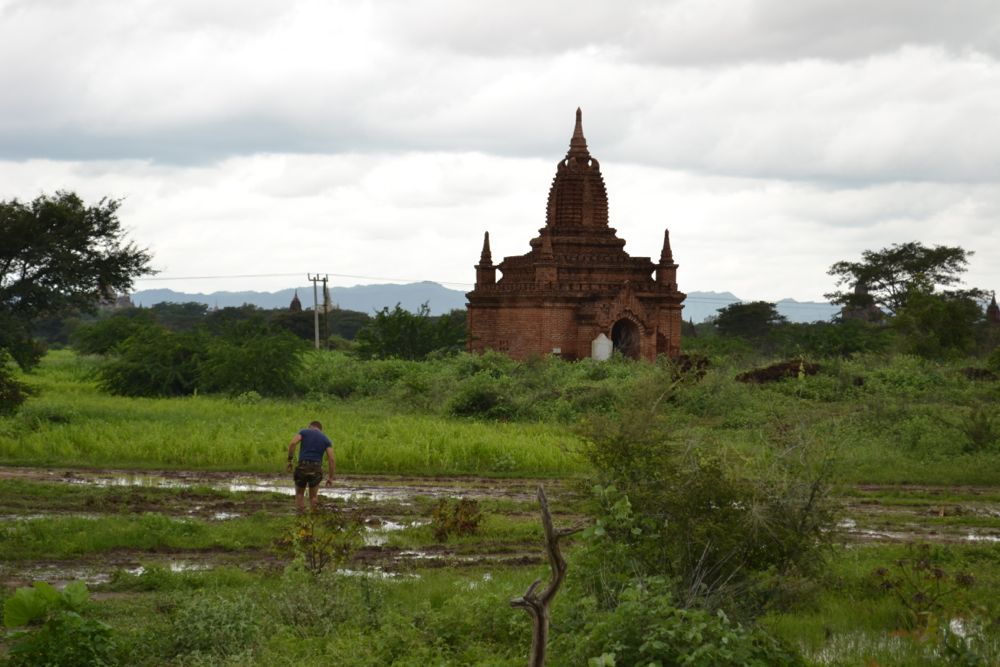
313, 444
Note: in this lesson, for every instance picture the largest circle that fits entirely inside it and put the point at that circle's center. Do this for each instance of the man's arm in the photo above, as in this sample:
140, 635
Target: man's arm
291, 449
331, 460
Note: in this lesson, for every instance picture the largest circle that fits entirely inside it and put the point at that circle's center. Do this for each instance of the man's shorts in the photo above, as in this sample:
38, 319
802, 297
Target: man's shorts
308, 473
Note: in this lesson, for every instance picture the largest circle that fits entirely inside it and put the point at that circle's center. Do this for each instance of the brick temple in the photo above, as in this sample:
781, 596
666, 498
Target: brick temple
577, 293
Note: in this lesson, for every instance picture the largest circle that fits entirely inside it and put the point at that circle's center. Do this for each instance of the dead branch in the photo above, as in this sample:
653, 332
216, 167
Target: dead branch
537, 605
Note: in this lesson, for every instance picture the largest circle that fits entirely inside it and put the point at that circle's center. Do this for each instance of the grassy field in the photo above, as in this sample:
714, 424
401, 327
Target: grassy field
193, 573
72, 424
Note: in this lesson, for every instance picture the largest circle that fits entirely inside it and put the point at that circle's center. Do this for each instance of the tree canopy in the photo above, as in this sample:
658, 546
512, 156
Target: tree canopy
58, 254
400, 334
748, 320
886, 277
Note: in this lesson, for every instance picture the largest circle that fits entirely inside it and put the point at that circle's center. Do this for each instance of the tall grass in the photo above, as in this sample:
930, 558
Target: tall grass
882, 418
70, 423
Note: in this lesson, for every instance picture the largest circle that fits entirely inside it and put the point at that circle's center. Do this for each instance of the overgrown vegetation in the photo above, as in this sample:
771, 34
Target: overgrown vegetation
55, 628
715, 507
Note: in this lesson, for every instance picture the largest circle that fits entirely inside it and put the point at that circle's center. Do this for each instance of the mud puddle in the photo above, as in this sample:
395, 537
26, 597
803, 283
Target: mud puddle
371, 559
354, 488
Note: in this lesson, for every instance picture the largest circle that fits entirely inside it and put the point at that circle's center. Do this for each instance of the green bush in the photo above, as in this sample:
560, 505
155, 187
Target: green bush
13, 393
663, 508
319, 540
59, 632
646, 628
103, 336
400, 334
153, 362
483, 395
455, 516
249, 356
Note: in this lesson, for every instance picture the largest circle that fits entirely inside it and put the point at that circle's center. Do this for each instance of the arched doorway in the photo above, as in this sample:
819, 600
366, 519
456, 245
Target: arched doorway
625, 338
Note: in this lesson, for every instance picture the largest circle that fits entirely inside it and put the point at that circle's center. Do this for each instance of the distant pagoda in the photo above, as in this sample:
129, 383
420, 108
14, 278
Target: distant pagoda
577, 293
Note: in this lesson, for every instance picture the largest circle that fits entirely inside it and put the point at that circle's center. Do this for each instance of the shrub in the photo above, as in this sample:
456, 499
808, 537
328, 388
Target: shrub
646, 628
455, 516
251, 357
13, 393
483, 395
103, 336
317, 541
666, 510
925, 591
154, 362
400, 334
981, 429
62, 634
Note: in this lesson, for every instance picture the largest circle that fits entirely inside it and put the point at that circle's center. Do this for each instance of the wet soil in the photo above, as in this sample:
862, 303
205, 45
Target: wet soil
871, 513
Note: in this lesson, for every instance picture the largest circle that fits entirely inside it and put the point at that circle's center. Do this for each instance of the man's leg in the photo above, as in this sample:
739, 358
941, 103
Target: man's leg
313, 496
300, 499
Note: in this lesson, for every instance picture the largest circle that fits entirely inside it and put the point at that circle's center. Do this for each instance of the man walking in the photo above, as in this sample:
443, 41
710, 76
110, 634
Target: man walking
309, 471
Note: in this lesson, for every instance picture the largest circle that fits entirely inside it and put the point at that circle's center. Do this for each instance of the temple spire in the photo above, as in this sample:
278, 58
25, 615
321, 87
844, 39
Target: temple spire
486, 273
486, 258
666, 255
578, 144
993, 311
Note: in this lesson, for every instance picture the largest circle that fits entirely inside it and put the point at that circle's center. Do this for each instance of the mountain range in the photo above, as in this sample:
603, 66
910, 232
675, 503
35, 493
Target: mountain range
370, 298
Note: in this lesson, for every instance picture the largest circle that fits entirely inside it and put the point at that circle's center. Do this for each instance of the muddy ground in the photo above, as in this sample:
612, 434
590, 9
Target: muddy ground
869, 513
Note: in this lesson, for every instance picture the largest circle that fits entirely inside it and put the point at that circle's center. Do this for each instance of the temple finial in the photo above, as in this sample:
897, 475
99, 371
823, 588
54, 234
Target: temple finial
486, 258
666, 255
578, 144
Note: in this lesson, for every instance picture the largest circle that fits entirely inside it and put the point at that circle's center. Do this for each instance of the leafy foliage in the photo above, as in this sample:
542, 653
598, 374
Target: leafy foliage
400, 334
752, 320
247, 357
103, 336
58, 254
153, 362
922, 586
250, 356
647, 628
60, 633
888, 275
13, 392
317, 540
938, 325
665, 510
455, 516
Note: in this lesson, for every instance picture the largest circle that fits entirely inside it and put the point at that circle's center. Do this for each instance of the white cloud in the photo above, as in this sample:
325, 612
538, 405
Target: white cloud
382, 139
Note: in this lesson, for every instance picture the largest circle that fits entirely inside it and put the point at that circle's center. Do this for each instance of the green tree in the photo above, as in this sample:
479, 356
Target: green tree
753, 320
400, 334
58, 254
938, 325
889, 275
102, 336
154, 362
251, 356
186, 316
347, 323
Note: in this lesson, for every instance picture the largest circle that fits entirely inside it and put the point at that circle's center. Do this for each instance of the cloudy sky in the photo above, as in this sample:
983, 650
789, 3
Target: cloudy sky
377, 141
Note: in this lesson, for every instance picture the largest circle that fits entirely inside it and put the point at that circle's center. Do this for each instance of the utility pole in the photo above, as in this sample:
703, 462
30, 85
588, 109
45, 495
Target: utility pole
315, 279
326, 313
